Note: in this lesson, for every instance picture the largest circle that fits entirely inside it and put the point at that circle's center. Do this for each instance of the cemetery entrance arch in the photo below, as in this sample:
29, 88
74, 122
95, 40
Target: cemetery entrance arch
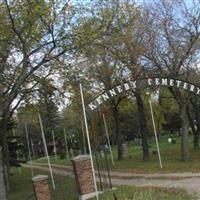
142, 83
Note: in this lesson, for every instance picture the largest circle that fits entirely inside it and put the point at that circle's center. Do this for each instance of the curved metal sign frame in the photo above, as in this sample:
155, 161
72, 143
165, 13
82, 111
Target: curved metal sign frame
142, 83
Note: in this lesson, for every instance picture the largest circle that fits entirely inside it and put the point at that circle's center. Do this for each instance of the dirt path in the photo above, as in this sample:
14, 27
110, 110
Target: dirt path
188, 181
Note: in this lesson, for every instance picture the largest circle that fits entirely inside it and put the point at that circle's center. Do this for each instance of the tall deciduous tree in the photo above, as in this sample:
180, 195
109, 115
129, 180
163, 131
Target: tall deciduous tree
172, 47
124, 46
34, 36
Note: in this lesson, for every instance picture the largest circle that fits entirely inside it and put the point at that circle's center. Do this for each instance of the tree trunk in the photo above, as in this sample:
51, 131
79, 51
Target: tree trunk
2, 180
197, 133
119, 136
196, 140
5, 150
143, 125
184, 136
194, 128
184, 123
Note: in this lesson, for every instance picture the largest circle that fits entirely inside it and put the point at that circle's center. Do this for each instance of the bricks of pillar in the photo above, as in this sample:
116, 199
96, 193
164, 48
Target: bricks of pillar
41, 187
83, 174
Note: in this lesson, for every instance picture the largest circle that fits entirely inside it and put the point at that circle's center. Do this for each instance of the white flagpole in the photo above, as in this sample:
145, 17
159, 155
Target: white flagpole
46, 151
54, 144
82, 125
88, 140
66, 147
29, 151
106, 129
155, 133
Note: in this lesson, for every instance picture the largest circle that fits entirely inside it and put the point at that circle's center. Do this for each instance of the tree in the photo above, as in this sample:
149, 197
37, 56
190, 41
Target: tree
172, 47
34, 37
72, 122
129, 120
193, 108
27, 115
123, 46
104, 74
48, 106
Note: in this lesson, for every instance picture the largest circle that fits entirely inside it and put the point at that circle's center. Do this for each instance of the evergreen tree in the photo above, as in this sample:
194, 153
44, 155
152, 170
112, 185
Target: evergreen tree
47, 106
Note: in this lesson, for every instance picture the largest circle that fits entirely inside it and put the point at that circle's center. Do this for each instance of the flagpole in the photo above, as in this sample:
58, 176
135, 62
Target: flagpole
106, 130
155, 132
29, 151
82, 126
88, 140
46, 151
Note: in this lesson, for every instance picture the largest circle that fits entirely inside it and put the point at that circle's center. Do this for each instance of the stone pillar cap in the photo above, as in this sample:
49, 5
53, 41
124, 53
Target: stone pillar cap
81, 157
40, 178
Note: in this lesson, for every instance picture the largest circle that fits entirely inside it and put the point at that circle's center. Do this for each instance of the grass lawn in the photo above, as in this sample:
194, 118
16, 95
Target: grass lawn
145, 193
170, 154
53, 160
22, 189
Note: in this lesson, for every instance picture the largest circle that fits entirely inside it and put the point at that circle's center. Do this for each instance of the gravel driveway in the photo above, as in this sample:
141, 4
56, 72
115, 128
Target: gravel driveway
188, 181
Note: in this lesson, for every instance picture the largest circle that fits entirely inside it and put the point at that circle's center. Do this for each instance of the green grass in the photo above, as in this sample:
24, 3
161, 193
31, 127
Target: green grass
170, 154
145, 193
22, 189
53, 160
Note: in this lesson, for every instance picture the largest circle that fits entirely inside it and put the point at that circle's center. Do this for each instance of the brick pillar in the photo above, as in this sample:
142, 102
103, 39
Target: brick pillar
41, 187
83, 174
